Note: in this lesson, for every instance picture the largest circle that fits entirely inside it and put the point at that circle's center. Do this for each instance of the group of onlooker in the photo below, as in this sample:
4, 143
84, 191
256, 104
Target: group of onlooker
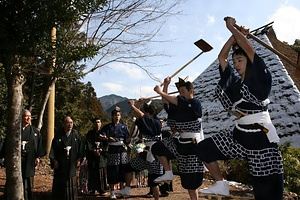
104, 154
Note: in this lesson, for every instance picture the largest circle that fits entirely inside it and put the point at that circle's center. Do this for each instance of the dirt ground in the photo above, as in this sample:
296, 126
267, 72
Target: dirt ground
43, 184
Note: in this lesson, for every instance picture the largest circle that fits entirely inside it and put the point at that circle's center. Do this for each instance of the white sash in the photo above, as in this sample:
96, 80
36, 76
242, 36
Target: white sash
198, 136
150, 157
260, 118
119, 143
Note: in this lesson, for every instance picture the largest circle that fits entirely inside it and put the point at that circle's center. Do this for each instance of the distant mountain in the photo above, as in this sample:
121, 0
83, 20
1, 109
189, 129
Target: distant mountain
124, 105
108, 101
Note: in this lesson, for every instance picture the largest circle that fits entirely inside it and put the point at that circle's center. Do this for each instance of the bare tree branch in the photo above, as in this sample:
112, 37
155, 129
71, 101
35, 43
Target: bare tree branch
124, 31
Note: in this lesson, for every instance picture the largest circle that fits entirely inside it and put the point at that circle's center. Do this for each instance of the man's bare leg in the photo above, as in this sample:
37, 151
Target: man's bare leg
214, 170
155, 192
193, 194
165, 163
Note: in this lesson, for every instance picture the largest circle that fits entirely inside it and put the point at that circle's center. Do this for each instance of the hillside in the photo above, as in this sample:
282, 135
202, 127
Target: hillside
109, 102
124, 105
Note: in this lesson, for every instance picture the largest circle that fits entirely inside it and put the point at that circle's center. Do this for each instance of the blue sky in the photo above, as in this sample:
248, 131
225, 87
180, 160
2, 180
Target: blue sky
200, 19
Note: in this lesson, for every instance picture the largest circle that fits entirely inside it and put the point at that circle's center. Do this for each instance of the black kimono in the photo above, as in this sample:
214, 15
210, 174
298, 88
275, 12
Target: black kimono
96, 163
32, 148
65, 181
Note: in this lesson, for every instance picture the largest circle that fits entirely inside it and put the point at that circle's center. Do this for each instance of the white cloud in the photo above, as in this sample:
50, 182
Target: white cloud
286, 23
173, 29
144, 91
129, 70
113, 87
220, 41
210, 20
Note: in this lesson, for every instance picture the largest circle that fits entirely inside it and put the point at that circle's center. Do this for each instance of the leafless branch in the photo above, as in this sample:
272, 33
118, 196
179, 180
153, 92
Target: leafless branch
125, 30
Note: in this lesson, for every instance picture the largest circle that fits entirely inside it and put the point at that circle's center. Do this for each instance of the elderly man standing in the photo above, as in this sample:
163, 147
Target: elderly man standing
32, 150
65, 155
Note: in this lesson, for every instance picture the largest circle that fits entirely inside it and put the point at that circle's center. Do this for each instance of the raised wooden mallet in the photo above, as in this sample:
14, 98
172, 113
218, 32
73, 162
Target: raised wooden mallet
201, 44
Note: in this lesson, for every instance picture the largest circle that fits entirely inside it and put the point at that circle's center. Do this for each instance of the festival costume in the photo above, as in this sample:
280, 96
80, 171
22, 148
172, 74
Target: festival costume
65, 185
96, 163
150, 132
185, 120
254, 137
117, 156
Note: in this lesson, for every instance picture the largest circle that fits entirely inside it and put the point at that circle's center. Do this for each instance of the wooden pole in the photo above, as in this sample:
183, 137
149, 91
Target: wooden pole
156, 96
184, 66
281, 55
51, 100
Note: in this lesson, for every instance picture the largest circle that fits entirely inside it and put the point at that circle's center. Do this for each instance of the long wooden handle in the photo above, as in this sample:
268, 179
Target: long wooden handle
184, 66
156, 96
269, 47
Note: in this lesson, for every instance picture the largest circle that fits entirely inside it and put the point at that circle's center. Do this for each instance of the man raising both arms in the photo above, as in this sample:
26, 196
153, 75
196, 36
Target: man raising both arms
184, 118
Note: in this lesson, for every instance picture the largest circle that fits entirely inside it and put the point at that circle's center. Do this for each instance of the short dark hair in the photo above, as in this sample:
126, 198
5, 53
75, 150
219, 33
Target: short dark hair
95, 119
237, 50
151, 109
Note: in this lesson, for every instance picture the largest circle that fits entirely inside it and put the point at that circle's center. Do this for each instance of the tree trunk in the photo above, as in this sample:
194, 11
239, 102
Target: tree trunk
44, 103
50, 129
15, 80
